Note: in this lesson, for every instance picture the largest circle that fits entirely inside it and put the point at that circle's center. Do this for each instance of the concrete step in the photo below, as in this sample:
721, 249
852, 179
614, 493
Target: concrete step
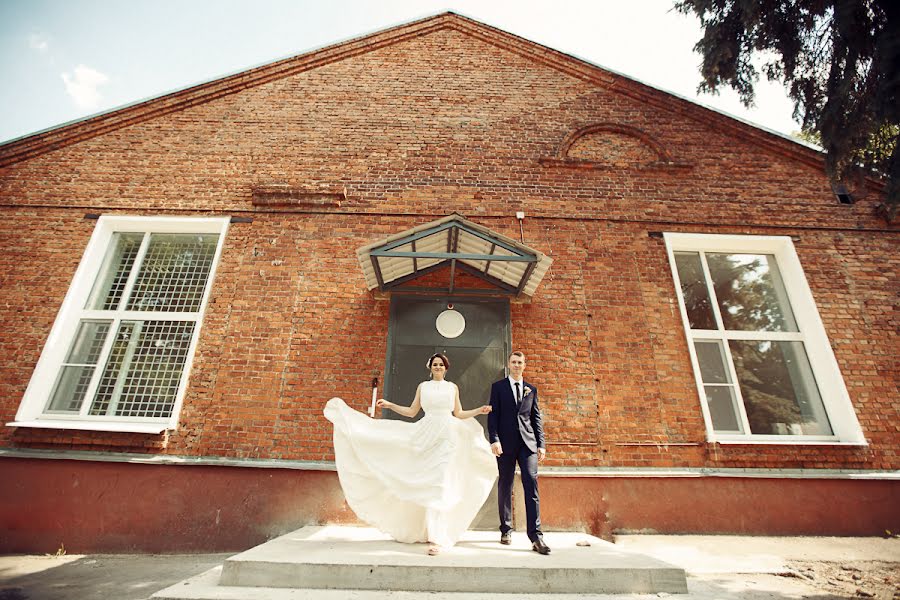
314, 561
206, 587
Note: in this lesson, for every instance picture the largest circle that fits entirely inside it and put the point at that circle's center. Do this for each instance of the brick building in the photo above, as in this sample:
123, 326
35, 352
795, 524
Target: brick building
186, 281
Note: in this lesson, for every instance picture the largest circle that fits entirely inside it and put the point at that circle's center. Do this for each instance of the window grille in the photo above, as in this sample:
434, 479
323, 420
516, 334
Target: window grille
144, 368
131, 341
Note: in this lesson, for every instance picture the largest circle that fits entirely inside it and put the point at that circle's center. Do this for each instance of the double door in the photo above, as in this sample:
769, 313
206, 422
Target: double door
477, 351
474, 334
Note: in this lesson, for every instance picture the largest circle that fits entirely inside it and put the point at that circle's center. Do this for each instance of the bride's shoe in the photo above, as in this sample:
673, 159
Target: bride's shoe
434, 550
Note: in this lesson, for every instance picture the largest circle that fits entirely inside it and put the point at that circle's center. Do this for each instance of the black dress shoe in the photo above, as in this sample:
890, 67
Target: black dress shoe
506, 538
540, 547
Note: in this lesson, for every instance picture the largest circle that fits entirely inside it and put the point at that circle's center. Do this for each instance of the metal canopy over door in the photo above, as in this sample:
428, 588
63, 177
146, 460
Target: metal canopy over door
511, 267
477, 352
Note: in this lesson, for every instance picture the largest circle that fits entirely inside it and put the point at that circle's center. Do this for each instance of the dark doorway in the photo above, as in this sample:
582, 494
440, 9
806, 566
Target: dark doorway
477, 354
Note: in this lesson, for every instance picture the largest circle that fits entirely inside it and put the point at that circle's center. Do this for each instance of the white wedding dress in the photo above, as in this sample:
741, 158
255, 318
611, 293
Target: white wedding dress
418, 482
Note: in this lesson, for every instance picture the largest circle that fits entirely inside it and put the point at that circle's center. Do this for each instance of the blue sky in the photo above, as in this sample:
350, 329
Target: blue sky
63, 60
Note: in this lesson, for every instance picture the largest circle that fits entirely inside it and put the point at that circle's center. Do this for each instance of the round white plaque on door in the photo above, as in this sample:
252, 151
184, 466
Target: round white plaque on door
450, 323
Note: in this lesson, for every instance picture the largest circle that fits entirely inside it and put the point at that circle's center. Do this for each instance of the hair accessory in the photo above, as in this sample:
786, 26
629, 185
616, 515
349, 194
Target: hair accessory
444, 361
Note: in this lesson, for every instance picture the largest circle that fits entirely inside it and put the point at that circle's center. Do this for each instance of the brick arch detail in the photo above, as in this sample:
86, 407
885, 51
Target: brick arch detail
662, 155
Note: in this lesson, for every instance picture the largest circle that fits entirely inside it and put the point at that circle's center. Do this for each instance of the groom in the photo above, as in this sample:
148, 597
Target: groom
517, 435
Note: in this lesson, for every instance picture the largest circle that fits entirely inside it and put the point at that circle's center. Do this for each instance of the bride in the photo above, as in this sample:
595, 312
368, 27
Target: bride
418, 482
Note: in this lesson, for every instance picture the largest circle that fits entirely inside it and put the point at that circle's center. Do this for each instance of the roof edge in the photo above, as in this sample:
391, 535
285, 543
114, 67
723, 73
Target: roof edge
65, 134
661, 98
60, 136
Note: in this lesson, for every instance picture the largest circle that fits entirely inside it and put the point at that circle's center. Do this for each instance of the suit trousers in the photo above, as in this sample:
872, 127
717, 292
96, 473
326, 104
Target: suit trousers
506, 465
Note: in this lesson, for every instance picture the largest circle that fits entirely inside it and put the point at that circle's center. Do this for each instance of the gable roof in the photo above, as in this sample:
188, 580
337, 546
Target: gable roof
59, 137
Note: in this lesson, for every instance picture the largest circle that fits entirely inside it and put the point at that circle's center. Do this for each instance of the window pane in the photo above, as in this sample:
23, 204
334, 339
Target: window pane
750, 292
780, 394
114, 273
88, 342
174, 272
144, 369
711, 358
75, 375
694, 290
722, 409
71, 386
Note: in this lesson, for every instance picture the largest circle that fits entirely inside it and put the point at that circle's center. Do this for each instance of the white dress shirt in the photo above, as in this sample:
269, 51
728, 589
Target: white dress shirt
512, 385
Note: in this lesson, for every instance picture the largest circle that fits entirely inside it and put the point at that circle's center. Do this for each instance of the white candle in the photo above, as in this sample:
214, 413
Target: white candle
374, 399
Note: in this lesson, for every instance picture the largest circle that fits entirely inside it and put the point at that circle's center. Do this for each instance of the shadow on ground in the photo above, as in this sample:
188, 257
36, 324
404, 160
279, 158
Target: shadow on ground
101, 577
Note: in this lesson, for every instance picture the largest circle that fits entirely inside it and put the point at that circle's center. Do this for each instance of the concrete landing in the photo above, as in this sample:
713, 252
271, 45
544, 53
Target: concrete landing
312, 560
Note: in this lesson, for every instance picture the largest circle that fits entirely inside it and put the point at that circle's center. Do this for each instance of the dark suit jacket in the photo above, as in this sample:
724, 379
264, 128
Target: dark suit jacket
508, 424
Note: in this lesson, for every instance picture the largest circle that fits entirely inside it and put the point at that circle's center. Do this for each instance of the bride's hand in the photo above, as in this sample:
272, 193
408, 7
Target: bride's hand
485, 409
382, 403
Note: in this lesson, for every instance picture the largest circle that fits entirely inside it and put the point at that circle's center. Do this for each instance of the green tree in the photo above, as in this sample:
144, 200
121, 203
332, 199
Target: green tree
840, 61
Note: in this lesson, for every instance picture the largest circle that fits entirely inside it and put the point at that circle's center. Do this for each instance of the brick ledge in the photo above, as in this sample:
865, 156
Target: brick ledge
575, 472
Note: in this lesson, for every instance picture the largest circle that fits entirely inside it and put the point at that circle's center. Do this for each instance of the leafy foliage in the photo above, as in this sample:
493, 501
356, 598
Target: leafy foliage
840, 60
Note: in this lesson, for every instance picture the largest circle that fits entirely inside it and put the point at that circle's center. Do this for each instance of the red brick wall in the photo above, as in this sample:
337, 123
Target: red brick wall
88, 506
611, 150
120, 507
409, 132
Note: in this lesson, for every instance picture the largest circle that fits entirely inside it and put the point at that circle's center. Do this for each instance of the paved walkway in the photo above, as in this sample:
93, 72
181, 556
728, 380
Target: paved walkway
719, 567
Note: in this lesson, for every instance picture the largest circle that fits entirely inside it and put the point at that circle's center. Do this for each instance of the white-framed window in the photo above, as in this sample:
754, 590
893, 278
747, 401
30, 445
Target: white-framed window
764, 368
120, 351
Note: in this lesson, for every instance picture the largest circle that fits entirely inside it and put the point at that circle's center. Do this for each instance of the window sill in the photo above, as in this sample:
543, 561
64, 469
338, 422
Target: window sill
121, 427
794, 442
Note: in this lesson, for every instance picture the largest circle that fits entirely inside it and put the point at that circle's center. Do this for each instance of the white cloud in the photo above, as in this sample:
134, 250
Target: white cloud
82, 86
39, 42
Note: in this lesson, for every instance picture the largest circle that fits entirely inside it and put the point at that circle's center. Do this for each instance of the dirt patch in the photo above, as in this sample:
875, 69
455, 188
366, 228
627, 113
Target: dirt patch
852, 579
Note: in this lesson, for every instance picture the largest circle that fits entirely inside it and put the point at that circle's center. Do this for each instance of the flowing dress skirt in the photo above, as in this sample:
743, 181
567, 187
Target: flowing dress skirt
417, 482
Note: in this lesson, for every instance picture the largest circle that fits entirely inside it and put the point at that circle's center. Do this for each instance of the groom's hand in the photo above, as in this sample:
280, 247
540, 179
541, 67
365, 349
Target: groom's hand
542, 453
496, 448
